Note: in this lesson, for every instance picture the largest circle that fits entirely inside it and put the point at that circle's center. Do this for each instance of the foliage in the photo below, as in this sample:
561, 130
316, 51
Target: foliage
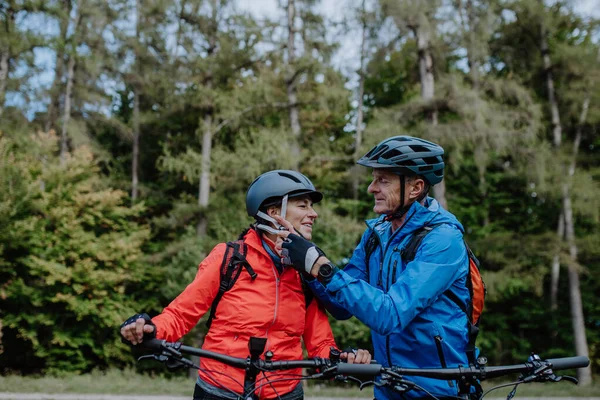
77, 256
70, 251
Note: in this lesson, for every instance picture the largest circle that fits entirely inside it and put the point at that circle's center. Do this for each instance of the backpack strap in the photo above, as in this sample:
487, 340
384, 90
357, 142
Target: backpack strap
410, 250
370, 246
308, 294
231, 268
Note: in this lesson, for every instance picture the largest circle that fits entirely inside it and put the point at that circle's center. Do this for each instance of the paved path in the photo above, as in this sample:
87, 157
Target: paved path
71, 396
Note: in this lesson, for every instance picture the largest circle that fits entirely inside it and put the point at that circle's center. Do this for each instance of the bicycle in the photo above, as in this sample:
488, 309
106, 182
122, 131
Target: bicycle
533, 370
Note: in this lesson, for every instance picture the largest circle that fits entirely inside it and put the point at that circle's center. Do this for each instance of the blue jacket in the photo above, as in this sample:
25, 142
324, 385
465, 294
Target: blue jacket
413, 324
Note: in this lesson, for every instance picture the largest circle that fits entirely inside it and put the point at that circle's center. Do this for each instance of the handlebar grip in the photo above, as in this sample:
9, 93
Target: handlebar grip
359, 369
569, 362
154, 344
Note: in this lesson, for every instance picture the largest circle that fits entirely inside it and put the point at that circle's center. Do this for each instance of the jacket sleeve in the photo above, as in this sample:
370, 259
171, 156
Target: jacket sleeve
328, 301
355, 268
318, 337
440, 261
179, 317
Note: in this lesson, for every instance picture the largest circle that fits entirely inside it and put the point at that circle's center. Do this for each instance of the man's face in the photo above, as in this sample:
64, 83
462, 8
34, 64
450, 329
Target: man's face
385, 188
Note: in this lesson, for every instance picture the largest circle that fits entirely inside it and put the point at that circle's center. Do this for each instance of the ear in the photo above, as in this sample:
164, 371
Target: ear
273, 210
416, 188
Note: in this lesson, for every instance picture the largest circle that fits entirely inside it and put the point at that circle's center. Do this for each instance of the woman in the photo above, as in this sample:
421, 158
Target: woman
270, 304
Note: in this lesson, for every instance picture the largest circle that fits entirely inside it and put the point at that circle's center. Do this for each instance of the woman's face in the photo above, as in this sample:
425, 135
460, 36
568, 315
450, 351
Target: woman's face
301, 214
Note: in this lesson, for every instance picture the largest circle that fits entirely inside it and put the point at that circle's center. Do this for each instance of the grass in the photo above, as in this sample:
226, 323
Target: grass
130, 382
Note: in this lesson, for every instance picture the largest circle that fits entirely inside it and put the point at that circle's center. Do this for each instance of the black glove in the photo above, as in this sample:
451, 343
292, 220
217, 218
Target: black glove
147, 320
300, 253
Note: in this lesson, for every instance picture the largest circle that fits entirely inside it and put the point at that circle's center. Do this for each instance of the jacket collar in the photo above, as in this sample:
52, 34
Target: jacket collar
417, 216
253, 239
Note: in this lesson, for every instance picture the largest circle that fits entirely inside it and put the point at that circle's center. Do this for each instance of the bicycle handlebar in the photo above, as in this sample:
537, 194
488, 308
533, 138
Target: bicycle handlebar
176, 348
333, 368
456, 373
569, 362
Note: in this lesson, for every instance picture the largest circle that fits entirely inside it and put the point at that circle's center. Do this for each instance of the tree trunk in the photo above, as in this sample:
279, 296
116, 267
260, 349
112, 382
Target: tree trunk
67, 110
204, 185
136, 110
423, 36
55, 90
291, 84
5, 55
577, 318
556, 125
69, 88
425, 67
555, 273
3, 78
207, 134
359, 113
472, 58
136, 145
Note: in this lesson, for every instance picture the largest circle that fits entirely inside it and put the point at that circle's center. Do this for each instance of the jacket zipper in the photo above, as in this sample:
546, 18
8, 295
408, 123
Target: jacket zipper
438, 344
379, 278
277, 280
394, 272
387, 339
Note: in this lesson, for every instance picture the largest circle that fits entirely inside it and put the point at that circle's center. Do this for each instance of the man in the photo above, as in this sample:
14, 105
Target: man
413, 321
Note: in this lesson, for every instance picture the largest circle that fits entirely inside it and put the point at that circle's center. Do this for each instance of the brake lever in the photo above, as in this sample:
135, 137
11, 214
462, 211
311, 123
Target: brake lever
171, 358
396, 383
543, 372
568, 379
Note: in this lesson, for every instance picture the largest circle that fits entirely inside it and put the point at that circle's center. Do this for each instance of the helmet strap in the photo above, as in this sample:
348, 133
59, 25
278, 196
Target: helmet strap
284, 203
276, 228
401, 209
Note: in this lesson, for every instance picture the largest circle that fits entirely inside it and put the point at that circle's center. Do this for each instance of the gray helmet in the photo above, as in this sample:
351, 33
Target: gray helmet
270, 187
407, 155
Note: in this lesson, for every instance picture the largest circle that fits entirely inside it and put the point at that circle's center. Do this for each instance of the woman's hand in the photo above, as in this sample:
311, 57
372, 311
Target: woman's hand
356, 356
135, 328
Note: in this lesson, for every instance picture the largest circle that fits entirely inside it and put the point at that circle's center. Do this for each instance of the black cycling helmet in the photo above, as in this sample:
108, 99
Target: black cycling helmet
409, 156
270, 187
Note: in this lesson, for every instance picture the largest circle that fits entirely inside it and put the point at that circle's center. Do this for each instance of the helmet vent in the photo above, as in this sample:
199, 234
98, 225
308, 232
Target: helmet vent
392, 153
290, 176
432, 160
378, 154
418, 149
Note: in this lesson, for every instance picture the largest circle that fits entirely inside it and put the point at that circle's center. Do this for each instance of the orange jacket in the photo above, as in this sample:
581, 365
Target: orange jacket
271, 306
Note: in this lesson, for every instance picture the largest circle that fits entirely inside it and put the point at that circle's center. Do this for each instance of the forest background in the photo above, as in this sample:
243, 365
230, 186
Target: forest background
122, 171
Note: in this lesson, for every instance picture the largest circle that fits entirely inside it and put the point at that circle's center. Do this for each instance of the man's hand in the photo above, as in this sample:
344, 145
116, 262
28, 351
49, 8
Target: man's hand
294, 250
137, 328
359, 356
300, 253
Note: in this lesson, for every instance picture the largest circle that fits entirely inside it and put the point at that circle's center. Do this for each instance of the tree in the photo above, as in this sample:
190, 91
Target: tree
61, 11
581, 345
16, 46
419, 18
70, 253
